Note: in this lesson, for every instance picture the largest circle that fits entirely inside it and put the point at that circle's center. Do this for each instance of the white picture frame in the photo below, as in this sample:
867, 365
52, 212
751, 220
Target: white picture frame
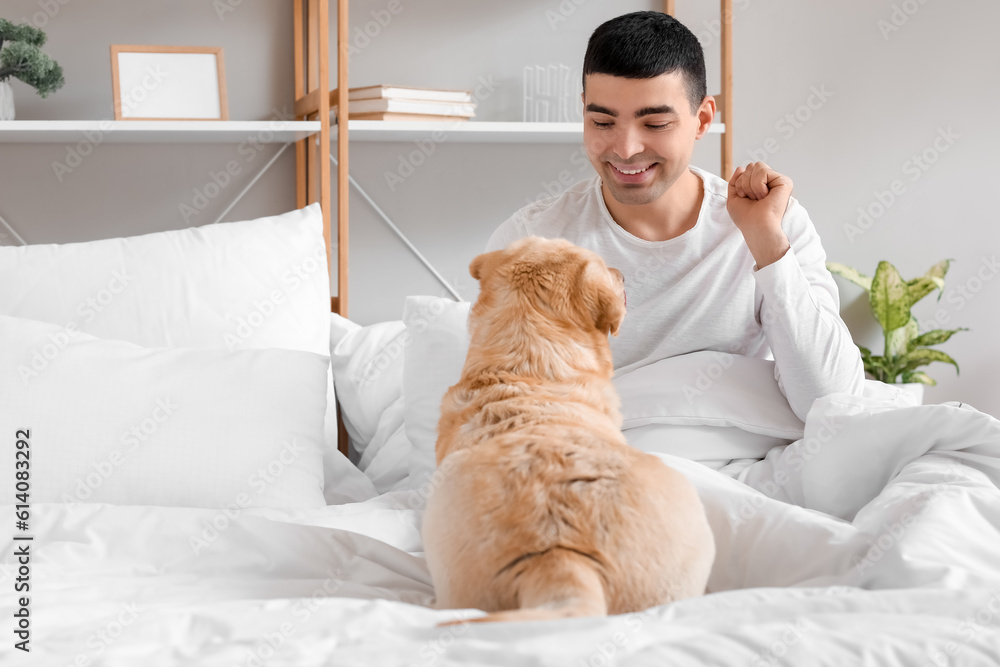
168, 82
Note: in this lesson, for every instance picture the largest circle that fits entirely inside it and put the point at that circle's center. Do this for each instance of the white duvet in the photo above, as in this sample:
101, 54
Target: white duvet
877, 542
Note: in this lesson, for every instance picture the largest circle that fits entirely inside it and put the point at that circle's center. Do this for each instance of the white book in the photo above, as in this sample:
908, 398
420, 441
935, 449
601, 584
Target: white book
410, 106
407, 93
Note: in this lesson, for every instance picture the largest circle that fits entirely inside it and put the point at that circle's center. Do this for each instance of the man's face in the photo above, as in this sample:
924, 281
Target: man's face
639, 125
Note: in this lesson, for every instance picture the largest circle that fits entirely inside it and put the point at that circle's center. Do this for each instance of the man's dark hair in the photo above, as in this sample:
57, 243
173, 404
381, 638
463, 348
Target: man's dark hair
643, 45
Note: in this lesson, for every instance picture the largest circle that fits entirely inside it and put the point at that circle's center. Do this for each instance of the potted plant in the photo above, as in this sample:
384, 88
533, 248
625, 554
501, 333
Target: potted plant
21, 57
906, 349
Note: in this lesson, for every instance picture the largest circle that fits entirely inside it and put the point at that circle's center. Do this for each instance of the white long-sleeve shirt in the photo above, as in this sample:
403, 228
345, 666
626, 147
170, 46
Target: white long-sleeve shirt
702, 291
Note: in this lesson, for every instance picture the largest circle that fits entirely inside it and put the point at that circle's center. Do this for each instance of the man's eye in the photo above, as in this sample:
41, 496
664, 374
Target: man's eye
597, 124
658, 127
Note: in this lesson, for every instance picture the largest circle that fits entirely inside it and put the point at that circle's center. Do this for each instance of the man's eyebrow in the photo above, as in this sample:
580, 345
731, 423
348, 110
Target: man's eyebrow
645, 111
650, 111
597, 108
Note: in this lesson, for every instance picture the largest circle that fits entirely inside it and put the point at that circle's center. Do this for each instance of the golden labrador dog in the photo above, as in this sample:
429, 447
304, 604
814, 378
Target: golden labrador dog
540, 509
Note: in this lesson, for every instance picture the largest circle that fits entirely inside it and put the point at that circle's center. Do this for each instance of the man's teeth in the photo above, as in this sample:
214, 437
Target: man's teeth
632, 173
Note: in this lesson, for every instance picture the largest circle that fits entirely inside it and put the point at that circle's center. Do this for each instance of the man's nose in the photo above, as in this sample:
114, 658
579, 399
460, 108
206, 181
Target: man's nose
627, 142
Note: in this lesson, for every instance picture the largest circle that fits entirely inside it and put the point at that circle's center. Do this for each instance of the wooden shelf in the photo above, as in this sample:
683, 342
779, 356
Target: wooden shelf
472, 131
155, 131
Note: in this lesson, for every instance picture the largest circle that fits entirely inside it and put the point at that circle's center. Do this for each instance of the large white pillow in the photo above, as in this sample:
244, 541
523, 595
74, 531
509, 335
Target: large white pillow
708, 388
706, 406
432, 362
238, 285
705, 443
703, 406
113, 422
367, 363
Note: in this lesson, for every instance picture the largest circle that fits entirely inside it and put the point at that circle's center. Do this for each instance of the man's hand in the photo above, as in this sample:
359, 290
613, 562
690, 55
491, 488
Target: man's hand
758, 196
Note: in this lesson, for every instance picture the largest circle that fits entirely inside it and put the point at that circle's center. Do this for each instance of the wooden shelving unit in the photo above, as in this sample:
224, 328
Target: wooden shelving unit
155, 131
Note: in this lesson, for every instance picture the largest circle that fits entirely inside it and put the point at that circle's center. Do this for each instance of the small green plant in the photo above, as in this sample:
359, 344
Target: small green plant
21, 57
891, 299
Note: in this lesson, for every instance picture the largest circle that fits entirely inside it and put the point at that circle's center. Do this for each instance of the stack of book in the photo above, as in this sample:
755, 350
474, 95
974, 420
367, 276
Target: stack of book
403, 103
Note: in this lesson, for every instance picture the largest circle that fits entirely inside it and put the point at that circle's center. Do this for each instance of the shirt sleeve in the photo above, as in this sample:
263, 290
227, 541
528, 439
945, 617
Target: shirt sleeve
798, 307
511, 230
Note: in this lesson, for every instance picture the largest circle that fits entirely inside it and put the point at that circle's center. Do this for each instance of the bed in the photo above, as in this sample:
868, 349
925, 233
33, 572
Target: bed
176, 494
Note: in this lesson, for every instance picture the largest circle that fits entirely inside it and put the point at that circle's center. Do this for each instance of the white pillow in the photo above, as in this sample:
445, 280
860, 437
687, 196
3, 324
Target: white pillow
705, 443
432, 362
708, 388
255, 284
237, 285
386, 461
703, 406
367, 365
112, 422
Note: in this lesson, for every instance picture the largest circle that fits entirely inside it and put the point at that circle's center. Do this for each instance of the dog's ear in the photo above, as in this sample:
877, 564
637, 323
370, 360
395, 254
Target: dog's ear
612, 313
603, 298
479, 263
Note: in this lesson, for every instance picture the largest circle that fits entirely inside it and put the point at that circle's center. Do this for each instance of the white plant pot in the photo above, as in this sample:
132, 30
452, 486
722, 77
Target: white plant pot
6, 101
914, 389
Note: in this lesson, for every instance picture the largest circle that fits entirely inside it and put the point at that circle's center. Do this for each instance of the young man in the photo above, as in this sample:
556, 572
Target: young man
735, 267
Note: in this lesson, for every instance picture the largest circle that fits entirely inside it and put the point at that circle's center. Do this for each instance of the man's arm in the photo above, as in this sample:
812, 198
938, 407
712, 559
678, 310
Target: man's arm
798, 304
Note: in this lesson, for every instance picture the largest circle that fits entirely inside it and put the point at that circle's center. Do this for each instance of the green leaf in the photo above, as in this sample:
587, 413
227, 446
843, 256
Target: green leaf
853, 275
22, 32
46, 79
866, 354
895, 367
898, 341
876, 366
889, 298
921, 287
939, 270
923, 356
27, 63
918, 376
935, 337
937, 274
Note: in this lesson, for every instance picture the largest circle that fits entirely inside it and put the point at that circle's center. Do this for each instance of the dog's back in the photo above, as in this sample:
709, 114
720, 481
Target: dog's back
540, 509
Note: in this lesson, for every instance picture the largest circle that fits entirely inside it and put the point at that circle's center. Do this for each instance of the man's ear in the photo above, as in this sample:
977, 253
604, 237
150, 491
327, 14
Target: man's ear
479, 263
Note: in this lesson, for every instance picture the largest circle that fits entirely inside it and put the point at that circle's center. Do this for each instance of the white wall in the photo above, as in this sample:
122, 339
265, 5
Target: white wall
887, 96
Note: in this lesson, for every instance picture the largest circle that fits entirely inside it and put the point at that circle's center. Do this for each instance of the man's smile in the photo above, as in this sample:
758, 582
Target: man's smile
633, 173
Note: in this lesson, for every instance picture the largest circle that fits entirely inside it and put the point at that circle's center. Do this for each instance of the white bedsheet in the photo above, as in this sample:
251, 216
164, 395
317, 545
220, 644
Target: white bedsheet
891, 556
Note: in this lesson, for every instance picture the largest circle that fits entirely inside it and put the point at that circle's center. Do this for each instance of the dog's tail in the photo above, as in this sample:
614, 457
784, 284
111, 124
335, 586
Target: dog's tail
558, 583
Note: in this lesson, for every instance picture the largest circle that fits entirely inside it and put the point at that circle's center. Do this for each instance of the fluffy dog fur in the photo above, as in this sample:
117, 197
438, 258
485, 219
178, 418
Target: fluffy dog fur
540, 508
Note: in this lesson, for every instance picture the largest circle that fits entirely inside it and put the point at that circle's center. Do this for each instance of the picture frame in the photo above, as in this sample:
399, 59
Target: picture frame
168, 82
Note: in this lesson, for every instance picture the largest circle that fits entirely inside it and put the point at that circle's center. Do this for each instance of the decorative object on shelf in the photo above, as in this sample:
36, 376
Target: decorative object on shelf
6, 101
21, 57
168, 82
405, 103
906, 349
552, 94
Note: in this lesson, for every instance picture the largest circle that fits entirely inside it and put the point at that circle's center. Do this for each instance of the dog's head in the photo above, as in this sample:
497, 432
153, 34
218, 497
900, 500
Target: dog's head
553, 277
